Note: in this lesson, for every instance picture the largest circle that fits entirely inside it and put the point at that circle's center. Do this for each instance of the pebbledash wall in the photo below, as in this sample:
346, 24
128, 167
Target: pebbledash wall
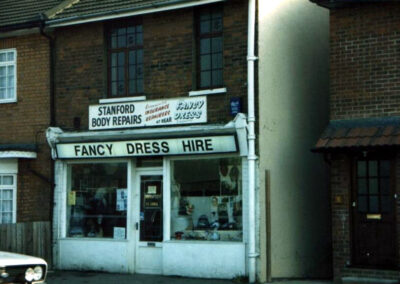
365, 83
23, 124
169, 73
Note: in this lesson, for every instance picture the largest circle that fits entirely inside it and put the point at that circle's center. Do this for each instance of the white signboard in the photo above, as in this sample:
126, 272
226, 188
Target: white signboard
152, 147
148, 113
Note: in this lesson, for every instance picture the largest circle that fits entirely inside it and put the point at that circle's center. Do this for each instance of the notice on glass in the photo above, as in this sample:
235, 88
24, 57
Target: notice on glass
119, 233
72, 198
122, 199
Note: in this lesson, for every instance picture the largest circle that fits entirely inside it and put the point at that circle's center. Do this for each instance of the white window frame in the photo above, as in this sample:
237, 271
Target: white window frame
13, 187
10, 63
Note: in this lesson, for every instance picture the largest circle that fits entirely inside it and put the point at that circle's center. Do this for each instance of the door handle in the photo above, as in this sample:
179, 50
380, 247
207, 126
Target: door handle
137, 226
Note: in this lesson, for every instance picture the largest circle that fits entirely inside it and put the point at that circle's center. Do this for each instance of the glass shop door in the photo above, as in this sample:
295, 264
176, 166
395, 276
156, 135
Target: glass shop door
149, 226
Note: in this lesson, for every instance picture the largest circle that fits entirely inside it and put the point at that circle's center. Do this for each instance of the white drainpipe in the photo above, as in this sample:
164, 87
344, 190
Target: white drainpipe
251, 58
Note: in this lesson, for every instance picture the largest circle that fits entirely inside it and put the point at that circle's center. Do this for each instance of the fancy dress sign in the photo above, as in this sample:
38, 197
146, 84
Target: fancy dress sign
149, 147
148, 113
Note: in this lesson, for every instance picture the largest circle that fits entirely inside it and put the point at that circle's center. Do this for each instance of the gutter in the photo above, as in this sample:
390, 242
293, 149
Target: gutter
251, 58
128, 12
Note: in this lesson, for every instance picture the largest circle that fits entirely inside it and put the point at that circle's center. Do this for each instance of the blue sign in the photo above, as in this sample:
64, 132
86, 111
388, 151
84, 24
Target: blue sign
236, 106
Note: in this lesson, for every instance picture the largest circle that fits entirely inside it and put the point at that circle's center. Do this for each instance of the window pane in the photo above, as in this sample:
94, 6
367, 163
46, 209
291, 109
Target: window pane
361, 168
114, 41
130, 30
121, 73
114, 74
3, 57
206, 199
7, 194
97, 201
132, 86
205, 46
10, 93
10, 70
217, 78
10, 81
205, 14
132, 57
205, 79
3, 93
205, 27
8, 180
139, 29
121, 88
140, 85
384, 168
2, 71
139, 70
216, 44
373, 186
217, 25
121, 59
121, 31
373, 168
385, 185
131, 39
121, 41
3, 82
114, 88
362, 204
205, 62
139, 39
386, 204
132, 72
362, 186
7, 206
139, 55
7, 218
373, 204
114, 59
10, 56
217, 61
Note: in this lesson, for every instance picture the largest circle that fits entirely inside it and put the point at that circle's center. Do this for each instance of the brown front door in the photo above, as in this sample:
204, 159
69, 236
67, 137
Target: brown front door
374, 230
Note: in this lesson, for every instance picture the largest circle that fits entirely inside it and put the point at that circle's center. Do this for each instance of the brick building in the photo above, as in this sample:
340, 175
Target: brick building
150, 147
25, 160
361, 141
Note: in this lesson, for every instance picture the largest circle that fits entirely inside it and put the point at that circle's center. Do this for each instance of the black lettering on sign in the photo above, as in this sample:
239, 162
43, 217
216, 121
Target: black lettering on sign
156, 147
209, 146
139, 148
164, 147
199, 145
130, 148
109, 148
186, 146
147, 148
77, 150
100, 150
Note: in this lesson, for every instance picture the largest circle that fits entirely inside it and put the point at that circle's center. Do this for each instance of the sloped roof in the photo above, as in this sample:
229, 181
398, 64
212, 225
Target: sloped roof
360, 133
17, 12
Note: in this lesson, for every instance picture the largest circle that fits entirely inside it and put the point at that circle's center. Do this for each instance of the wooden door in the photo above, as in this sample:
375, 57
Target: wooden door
374, 229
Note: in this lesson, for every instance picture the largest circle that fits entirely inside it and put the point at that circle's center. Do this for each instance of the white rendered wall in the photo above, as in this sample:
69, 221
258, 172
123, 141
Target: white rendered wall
98, 255
293, 111
203, 259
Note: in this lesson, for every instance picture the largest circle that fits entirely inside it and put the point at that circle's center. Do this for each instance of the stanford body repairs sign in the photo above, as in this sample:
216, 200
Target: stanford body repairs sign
148, 113
153, 147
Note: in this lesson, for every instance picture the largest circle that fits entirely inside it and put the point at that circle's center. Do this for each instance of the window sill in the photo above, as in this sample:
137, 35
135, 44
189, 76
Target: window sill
207, 92
122, 100
10, 101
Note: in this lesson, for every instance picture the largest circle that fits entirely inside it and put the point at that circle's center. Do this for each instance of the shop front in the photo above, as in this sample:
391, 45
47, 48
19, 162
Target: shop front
168, 200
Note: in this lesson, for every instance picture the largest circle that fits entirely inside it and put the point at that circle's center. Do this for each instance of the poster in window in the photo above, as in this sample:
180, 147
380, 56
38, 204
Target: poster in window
122, 199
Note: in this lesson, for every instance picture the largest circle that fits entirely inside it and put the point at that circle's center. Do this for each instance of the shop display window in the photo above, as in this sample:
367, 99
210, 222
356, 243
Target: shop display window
206, 199
97, 200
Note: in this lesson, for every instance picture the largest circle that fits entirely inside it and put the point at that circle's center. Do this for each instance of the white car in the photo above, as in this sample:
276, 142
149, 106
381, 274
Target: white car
19, 268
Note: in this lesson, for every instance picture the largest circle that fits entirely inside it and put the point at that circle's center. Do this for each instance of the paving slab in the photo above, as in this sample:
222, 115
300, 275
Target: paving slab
84, 277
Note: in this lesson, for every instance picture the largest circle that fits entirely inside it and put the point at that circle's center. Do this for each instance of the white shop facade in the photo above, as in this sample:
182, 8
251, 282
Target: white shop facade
152, 188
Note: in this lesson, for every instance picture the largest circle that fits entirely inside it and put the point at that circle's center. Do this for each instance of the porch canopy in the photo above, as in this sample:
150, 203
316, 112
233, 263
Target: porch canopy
365, 133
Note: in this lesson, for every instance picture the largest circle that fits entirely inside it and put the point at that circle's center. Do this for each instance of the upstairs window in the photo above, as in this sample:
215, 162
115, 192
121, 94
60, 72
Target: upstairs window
209, 47
125, 59
8, 75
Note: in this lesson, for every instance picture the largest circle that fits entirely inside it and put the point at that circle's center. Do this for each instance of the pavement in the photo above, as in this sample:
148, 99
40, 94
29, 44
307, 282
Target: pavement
79, 277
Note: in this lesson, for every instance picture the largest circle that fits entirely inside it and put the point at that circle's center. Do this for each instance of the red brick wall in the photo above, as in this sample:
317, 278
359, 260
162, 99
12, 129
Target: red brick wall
168, 63
26, 122
365, 57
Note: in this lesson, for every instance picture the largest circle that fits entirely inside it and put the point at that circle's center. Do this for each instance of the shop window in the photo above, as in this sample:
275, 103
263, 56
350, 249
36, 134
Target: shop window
373, 186
7, 198
125, 59
8, 75
206, 199
97, 200
209, 47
